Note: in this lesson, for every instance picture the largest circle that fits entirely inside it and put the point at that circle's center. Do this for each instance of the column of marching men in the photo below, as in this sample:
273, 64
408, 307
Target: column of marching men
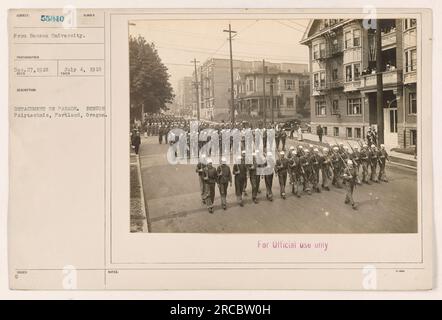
304, 170
301, 170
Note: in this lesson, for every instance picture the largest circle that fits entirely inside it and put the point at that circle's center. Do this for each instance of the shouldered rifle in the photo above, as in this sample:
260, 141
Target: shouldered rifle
353, 152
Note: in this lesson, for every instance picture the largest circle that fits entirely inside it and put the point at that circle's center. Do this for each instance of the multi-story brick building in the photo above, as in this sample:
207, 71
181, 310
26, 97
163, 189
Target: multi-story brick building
185, 97
214, 85
286, 91
343, 77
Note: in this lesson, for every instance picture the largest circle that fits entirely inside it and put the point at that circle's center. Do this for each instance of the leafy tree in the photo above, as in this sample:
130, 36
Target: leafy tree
149, 79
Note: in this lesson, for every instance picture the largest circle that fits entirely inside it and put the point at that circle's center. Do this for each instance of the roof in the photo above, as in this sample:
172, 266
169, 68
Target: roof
306, 38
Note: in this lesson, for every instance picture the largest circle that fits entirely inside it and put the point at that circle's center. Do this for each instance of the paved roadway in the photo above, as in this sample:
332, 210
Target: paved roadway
173, 204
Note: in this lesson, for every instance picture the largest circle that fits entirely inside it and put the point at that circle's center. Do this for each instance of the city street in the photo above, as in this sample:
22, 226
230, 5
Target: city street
173, 203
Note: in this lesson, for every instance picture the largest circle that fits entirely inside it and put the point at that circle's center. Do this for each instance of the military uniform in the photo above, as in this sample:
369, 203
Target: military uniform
283, 137
210, 178
383, 157
350, 178
326, 172
268, 177
254, 179
277, 138
307, 170
337, 170
240, 172
281, 169
224, 179
365, 162
295, 175
200, 171
373, 157
317, 164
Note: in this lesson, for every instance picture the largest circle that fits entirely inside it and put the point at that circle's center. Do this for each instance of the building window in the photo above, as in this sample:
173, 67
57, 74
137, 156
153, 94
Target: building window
289, 84
290, 102
358, 133
409, 23
412, 107
357, 71
335, 74
322, 50
316, 51
324, 129
354, 106
320, 107
348, 39
251, 86
352, 72
349, 132
335, 107
413, 137
410, 60
316, 80
336, 131
348, 73
322, 77
356, 38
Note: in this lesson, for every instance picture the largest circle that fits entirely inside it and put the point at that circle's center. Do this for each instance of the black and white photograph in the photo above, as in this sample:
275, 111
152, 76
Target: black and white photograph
273, 126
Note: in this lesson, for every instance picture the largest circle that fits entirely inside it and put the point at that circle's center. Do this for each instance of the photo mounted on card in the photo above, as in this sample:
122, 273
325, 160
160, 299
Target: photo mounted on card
206, 148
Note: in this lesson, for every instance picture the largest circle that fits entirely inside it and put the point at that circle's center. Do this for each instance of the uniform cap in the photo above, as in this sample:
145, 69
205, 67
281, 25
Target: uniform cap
349, 162
373, 146
315, 150
292, 148
307, 151
282, 153
325, 149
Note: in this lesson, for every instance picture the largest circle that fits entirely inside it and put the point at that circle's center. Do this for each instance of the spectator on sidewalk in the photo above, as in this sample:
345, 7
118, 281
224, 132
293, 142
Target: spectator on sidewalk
300, 134
136, 141
319, 132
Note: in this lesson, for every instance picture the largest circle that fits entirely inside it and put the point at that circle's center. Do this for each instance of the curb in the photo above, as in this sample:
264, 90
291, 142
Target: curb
392, 163
146, 221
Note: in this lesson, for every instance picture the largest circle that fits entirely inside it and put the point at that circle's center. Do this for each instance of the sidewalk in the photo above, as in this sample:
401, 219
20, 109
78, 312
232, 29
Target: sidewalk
395, 157
138, 218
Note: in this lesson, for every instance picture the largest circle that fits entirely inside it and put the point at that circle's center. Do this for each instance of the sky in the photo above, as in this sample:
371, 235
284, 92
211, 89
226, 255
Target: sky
180, 41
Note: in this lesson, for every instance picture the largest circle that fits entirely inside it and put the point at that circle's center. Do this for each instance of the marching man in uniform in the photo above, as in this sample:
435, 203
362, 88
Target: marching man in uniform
200, 171
210, 178
373, 156
326, 170
240, 172
350, 177
383, 157
224, 179
281, 169
254, 178
365, 161
268, 177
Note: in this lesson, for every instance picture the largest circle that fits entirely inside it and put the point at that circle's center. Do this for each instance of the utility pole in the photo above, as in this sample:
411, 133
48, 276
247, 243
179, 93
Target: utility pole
264, 90
197, 92
379, 84
232, 95
271, 100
